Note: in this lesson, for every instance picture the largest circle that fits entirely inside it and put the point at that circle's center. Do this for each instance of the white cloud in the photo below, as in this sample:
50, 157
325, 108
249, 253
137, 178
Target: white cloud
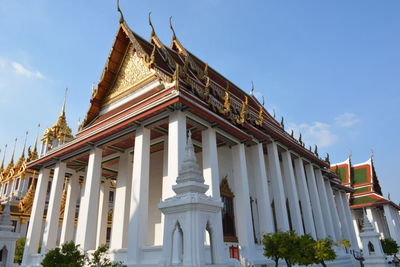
19, 69
346, 119
317, 133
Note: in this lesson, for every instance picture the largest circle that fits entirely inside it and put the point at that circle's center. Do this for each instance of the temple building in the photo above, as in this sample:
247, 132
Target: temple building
17, 187
174, 164
382, 212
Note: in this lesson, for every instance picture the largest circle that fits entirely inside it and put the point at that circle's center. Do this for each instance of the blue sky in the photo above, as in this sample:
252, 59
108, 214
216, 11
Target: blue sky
331, 68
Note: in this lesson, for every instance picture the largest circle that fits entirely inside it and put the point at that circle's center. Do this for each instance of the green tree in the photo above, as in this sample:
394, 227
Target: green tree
389, 246
282, 245
69, 255
19, 250
323, 251
306, 250
99, 258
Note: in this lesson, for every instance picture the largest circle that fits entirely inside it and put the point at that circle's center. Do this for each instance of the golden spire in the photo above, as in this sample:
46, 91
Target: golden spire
12, 155
36, 140
60, 130
21, 159
4, 156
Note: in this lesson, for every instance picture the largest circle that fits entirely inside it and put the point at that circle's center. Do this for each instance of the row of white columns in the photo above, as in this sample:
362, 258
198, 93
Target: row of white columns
308, 194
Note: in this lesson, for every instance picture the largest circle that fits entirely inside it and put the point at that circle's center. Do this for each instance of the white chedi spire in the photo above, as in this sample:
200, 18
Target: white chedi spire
5, 219
367, 225
190, 177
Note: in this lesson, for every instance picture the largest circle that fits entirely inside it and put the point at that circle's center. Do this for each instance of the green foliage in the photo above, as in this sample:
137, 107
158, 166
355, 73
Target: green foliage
389, 246
306, 250
344, 243
323, 251
19, 250
294, 249
68, 256
99, 258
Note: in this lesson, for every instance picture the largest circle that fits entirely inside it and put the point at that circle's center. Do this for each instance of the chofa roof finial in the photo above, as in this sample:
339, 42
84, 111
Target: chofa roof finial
121, 18
153, 32
252, 88
172, 28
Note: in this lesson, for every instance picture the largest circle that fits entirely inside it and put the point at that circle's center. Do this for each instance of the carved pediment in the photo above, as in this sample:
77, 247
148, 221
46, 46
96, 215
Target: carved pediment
132, 72
225, 190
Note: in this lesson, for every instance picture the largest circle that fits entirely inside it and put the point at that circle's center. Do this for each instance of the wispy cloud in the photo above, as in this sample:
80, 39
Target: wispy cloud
21, 70
325, 134
316, 133
2, 63
347, 119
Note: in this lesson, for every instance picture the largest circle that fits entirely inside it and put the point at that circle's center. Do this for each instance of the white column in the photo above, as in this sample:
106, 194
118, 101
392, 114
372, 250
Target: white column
342, 216
315, 202
262, 191
326, 211
177, 142
122, 203
137, 234
67, 230
53, 209
211, 177
304, 198
333, 208
277, 187
86, 232
291, 191
391, 223
210, 162
242, 200
348, 219
36, 219
102, 220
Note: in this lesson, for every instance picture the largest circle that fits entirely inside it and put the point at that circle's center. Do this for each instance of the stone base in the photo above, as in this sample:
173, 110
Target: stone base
375, 261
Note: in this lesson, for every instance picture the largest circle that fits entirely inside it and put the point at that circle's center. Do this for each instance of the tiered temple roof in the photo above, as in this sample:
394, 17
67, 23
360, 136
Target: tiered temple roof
362, 177
134, 62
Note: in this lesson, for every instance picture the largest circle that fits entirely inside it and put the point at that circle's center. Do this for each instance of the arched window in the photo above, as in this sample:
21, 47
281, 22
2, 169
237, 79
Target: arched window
228, 215
177, 245
371, 248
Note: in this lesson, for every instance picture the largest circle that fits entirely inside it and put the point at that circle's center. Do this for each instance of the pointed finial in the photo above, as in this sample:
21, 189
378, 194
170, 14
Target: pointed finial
263, 100
283, 122
372, 154
24, 147
274, 113
300, 139
172, 28
121, 18
153, 32
37, 138
12, 156
327, 159
351, 153
65, 101
206, 69
316, 150
252, 88
4, 157
291, 133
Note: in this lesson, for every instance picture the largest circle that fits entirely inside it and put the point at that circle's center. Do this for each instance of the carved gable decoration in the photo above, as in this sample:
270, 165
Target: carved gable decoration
225, 190
132, 72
